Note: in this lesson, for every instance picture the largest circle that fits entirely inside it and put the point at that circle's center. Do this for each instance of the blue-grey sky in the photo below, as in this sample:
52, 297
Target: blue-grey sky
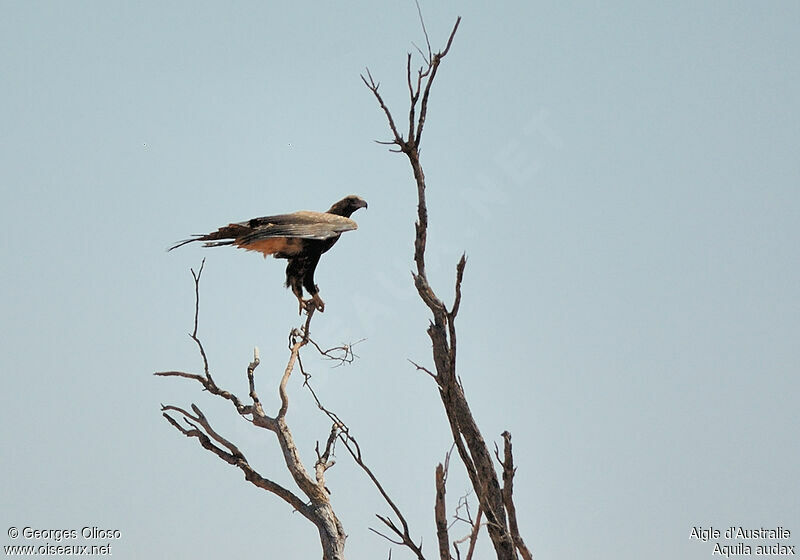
624, 178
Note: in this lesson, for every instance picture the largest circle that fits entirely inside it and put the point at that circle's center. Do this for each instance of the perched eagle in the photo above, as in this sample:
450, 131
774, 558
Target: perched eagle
300, 237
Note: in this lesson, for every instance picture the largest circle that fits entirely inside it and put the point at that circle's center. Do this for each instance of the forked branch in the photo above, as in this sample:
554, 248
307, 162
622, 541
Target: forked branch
467, 437
401, 532
316, 506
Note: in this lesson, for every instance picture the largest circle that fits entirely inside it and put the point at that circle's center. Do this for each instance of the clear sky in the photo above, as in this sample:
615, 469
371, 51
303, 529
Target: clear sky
624, 178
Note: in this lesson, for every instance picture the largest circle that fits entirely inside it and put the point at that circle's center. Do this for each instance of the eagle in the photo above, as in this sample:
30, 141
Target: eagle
300, 237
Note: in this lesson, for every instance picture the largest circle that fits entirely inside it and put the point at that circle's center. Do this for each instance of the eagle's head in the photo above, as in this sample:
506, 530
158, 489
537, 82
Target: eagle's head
347, 206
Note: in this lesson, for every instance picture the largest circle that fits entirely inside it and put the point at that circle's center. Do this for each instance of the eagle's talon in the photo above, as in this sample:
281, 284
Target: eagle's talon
312, 304
317, 303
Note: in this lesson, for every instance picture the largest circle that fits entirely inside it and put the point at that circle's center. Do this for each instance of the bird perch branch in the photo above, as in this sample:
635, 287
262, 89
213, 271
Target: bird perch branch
316, 506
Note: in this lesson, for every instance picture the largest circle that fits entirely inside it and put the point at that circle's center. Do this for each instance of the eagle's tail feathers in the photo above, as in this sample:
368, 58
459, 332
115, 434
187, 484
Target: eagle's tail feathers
229, 233
217, 243
184, 242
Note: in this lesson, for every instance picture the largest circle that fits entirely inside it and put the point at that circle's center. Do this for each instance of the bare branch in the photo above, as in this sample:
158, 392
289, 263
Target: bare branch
285, 379
451, 316
463, 504
462, 263
389, 523
413, 94
355, 452
329, 445
330, 414
324, 461
201, 418
450, 39
354, 449
422, 368
388, 538
343, 353
373, 86
425, 57
425, 32
209, 385
204, 440
236, 459
473, 537
318, 508
434, 66
474, 525
468, 440
508, 497
196, 277
206, 380
251, 368
440, 513
194, 376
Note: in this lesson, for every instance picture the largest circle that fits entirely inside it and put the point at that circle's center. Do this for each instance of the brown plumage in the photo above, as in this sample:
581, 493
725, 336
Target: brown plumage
300, 237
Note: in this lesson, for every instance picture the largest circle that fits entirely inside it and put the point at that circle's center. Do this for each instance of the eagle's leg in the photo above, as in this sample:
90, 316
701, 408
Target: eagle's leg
301, 301
311, 287
299, 275
295, 282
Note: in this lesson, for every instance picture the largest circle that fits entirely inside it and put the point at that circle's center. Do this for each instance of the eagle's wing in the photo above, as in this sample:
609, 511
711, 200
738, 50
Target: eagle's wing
303, 225
279, 234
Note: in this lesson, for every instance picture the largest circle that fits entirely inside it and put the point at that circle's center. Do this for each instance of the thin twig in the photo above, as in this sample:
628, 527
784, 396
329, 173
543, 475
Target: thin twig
473, 537
373, 86
194, 337
388, 538
422, 368
236, 459
434, 66
425, 31
354, 449
343, 353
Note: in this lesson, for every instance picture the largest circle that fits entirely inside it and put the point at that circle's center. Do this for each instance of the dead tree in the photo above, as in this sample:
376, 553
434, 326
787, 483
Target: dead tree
496, 502
315, 505
311, 498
